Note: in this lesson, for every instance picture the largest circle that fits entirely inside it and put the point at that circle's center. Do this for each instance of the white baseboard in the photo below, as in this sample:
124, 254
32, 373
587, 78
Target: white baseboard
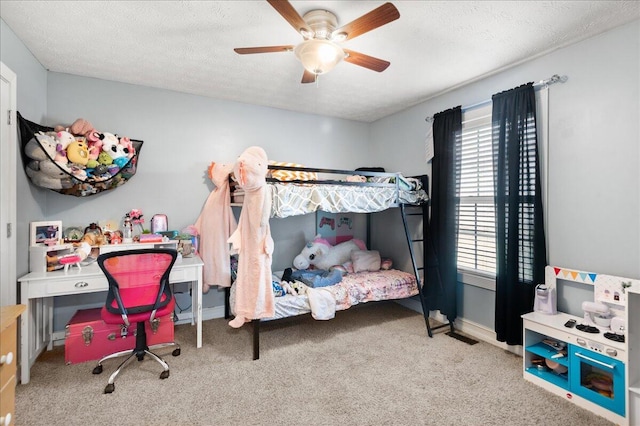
467, 327
411, 303
485, 334
207, 314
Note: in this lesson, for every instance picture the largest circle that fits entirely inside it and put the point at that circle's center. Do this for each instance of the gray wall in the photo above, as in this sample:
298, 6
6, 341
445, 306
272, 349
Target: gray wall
593, 210
182, 134
594, 200
31, 102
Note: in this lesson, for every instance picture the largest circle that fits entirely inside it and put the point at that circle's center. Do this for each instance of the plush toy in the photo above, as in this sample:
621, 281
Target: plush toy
113, 169
322, 255
78, 152
127, 147
92, 164
63, 139
47, 175
252, 240
120, 162
116, 237
295, 288
111, 145
78, 172
82, 127
41, 147
95, 148
105, 159
356, 178
54, 169
100, 169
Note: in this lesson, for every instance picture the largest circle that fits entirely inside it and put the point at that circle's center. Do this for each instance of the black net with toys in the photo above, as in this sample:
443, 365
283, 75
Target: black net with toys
79, 164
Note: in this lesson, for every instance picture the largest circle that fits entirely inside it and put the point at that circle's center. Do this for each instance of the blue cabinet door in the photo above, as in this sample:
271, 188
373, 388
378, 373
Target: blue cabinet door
597, 378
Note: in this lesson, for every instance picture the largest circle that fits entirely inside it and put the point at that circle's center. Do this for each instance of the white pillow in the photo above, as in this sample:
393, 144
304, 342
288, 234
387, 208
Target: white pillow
365, 260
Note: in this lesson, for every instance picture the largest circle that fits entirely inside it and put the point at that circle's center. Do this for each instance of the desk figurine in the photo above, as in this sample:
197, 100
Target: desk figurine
127, 230
116, 237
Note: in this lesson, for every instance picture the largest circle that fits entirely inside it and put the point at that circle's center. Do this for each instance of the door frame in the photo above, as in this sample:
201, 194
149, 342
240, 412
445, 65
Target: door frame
8, 189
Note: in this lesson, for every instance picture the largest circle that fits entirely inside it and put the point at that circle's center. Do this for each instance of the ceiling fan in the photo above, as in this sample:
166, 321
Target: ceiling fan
320, 50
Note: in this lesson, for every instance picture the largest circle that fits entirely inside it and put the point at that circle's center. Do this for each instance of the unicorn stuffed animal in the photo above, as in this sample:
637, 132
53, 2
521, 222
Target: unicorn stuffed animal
323, 255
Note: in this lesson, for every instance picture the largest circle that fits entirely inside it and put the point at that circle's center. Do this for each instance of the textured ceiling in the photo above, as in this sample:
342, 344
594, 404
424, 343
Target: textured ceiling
187, 46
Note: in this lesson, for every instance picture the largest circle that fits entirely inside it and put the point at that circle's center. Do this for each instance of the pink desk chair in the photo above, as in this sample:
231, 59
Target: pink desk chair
139, 292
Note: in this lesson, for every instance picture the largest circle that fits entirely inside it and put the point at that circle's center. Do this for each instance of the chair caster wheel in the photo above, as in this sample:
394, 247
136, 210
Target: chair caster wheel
176, 352
164, 374
110, 388
97, 369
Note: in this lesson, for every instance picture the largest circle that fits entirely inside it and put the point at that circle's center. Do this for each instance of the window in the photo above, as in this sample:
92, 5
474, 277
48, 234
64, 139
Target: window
476, 225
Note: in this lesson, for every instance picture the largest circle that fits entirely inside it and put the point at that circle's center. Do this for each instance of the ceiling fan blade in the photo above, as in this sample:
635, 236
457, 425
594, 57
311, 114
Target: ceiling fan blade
370, 21
284, 8
308, 77
265, 49
365, 61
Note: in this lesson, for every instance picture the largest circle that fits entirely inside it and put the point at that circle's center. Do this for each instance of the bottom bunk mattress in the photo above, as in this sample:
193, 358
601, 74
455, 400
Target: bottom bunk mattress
354, 288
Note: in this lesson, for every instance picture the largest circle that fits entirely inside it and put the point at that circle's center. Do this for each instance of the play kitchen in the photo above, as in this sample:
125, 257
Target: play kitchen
576, 342
598, 318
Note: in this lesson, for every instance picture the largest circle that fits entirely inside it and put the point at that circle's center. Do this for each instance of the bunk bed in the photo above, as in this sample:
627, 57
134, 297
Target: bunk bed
297, 190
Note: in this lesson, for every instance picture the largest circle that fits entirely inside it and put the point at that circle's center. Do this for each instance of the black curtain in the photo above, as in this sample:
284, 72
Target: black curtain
520, 240
441, 270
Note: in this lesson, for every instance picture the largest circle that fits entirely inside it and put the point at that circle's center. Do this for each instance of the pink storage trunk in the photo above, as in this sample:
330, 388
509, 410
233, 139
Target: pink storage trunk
88, 338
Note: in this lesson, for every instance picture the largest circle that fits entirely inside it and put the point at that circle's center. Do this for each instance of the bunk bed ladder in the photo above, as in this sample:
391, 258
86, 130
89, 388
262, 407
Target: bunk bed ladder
416, 269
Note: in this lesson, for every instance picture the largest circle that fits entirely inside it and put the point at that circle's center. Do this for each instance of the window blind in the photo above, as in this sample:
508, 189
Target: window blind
476, 225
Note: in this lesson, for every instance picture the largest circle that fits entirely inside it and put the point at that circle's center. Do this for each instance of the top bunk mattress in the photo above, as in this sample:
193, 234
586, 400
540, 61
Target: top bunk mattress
296, 190
294, 199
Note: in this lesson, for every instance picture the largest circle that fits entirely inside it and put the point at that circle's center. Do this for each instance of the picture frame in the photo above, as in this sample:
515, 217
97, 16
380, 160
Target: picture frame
45, 233
335, 227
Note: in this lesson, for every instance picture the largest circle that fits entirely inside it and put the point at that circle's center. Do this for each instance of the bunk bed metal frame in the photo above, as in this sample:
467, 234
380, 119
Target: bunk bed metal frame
396, 177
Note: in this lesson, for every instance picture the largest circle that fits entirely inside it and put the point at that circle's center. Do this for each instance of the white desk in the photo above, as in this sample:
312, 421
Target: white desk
37, 290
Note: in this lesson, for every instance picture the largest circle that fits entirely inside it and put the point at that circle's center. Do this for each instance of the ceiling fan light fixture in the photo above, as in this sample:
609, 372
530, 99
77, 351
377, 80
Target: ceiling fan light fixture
339, 37
319, 56
306, 34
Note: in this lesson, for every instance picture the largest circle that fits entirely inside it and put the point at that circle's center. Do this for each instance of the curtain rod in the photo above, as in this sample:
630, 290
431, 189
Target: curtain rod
542, 83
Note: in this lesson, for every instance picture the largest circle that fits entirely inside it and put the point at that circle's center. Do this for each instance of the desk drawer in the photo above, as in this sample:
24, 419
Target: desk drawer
178, 276
77, 285
8, 401
8, 349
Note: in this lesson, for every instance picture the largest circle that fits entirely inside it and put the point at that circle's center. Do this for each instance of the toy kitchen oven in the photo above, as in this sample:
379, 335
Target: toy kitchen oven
598, 366
580, 351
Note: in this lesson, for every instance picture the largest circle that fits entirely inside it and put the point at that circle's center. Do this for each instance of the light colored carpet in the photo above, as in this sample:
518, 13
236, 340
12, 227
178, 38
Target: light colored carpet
372, 365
